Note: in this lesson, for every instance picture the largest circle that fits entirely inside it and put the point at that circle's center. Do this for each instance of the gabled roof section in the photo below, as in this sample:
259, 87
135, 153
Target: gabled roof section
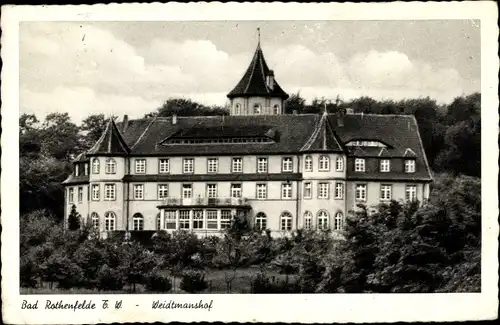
253, 82
410, 153
323, 138
110, 143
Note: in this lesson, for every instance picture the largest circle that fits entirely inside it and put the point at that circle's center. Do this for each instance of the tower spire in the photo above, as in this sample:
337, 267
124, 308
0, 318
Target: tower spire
258, 36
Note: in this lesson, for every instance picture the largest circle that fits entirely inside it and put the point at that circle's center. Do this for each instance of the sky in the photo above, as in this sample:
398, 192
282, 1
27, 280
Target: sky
131, 67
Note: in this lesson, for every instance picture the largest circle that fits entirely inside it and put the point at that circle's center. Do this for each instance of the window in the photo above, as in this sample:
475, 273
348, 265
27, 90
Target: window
256, 109
286, 221
137, 222
286, 191
187, 191
323, 189
86, 169
236, 190
307, 190
95, 192
110, 166
94, 218
276, 109
197, 219
261, 221
339, 190
95, 166
71, 195
164, 166
171, 219
225, 219
237, 109
339, 164
109, 192
338, 222
212, 219
140, 166
80, 194
307, 220
385, 192
213, 164
308, 164
188, 165
385, 165
361, 192
139, 191
110, 221
162, 191
287, 165
323, 222
359, 165
237, 165
324, 163
212, 190
261, 191
184, 219
409, 166
411, 193
262, 165
77, 169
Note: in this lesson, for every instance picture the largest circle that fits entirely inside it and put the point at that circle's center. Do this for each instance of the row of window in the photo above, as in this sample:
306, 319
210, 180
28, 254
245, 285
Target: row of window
221, 140
257, 109
262, 165
217, 220
385, 192
384, 165
323, 191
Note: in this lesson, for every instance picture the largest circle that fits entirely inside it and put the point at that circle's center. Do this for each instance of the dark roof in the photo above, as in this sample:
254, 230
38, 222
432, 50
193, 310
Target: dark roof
253, 82
323, 138
293, 134
111, 142
74, 180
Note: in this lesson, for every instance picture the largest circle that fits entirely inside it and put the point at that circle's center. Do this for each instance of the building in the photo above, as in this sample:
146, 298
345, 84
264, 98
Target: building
282, 171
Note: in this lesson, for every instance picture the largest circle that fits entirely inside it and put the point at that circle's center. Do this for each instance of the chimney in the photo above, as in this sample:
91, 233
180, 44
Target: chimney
174, 119
125, 123
340, 117
270, 79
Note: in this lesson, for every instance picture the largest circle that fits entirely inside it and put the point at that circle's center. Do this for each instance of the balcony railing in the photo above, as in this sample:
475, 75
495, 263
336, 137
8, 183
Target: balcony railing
205, 201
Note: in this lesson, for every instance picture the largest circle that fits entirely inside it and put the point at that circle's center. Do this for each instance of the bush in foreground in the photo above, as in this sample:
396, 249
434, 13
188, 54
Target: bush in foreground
156, 281
193, 281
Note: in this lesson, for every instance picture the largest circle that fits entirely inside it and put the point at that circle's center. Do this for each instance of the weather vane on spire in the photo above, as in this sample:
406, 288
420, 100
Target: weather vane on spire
258, 34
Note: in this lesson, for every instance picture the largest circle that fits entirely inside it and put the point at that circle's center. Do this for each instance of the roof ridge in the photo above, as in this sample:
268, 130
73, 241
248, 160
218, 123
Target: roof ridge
144, 132
314, 135
254, 60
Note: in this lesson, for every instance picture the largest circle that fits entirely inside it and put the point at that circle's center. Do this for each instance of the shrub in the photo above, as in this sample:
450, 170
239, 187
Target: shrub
59, 268
193, 281
109, 279
263, 284
156, 281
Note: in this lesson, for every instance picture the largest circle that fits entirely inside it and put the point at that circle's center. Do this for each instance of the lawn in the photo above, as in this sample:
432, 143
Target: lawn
216, 281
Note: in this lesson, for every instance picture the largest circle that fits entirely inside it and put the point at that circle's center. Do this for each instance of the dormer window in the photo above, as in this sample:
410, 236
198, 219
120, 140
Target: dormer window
365, 143
256, 109
359, 165
409, 166
385, 165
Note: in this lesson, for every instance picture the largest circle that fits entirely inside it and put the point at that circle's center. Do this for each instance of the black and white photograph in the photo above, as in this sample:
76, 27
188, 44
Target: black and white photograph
189, 158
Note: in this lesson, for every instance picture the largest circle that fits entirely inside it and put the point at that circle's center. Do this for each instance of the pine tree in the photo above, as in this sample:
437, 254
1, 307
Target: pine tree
74, 219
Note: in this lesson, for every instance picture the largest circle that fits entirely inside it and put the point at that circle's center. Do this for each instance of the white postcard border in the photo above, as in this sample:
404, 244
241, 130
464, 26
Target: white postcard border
255, 308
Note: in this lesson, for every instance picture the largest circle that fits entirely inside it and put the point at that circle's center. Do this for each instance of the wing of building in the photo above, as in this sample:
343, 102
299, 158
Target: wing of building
281, 171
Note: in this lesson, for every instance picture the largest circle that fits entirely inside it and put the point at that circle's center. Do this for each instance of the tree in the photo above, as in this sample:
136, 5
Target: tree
193, 281
93, 126
74, 219
187, 107
295, 103
60, 137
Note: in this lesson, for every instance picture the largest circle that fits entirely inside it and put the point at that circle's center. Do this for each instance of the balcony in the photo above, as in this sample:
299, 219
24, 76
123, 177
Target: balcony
205, 202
